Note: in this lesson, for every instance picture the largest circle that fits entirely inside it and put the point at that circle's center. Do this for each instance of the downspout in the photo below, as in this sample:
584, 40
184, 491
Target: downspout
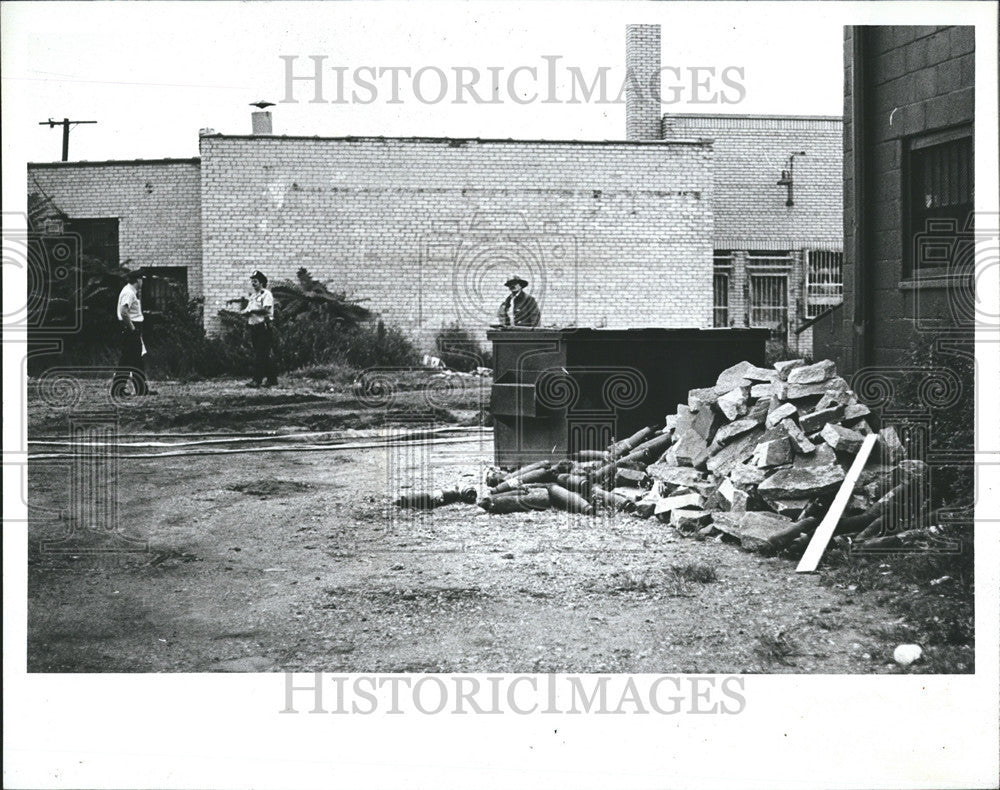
862, 340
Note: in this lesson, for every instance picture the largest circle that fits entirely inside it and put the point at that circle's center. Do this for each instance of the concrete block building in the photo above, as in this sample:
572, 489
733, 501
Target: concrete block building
909, 189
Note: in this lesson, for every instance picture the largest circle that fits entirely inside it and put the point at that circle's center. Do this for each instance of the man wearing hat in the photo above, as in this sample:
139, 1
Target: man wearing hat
519, 309
260, 316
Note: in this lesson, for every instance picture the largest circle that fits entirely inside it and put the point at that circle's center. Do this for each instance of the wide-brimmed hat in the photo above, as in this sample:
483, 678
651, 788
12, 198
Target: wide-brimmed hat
516, 281
257, 274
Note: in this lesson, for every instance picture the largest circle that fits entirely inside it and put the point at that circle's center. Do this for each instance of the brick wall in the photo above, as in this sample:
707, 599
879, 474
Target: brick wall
919, 79
157, 203
749, 206
750, 153
612, 234
642, 91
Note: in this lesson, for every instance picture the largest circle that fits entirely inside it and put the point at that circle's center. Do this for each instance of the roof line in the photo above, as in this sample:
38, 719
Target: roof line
751, 117
458, 140
103, 162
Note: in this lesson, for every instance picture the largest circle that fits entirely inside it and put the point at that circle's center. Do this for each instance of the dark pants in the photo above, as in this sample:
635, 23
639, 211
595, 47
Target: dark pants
131, 362
262, 338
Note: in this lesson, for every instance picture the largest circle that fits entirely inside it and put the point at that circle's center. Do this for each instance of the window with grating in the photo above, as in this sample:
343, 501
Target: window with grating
940, 197
824, 280
722, 267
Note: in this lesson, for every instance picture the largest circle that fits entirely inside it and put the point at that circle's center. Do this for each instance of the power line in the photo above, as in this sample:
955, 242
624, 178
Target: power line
65, 124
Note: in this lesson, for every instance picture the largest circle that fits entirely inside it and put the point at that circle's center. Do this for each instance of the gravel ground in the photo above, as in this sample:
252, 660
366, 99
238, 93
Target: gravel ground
298, 561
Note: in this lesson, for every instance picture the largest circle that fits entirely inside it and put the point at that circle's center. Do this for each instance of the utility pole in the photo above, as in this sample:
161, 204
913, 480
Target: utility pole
64, 123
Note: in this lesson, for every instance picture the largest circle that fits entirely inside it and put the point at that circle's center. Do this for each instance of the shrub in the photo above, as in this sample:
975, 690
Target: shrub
315, 326
459, 350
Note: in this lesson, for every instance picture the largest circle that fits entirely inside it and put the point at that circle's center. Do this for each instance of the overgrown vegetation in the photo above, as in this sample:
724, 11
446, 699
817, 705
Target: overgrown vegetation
459, 350
316, 327
933, 591
72, 299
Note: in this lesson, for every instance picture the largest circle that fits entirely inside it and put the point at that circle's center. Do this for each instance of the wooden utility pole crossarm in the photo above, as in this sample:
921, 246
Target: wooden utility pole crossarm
65, 124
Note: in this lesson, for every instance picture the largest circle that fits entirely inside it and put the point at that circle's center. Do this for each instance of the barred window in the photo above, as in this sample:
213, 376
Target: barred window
722, 267
940, 199
824, 280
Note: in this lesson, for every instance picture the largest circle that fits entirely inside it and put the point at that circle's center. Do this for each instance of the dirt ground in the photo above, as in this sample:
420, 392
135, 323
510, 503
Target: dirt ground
297, 560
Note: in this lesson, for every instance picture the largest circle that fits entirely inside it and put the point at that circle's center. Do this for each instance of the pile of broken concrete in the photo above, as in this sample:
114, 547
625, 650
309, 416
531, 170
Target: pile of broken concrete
756, 458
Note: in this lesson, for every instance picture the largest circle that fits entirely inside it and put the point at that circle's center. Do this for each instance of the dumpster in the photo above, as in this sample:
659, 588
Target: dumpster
558, 391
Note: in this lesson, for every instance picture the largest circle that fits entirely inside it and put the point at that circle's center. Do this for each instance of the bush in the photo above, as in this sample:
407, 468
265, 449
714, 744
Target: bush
315, 328
459, 350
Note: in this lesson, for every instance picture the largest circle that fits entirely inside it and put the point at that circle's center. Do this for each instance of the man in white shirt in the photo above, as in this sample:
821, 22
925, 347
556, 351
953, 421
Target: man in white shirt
129, 314
260, 315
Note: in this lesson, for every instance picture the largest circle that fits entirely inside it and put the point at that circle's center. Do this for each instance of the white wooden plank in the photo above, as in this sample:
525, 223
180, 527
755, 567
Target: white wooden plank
821, 537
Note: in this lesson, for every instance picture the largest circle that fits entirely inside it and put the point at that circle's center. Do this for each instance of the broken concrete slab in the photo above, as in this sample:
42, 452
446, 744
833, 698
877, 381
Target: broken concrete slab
814, 421
790, 508
632, 493
706, 422
727, 491
644, 507
699, 398
691, 450
732, 377
830, 400
758, 529
797, 392
727, 523
741, 500
690, 521
674, 476
802, 483
684, 419
856, 411
758, 411
632, 477
776, 452
755, 373
841, 439
732, 498
745, 476
731, 431
823, 456
782, 412
798, 439
667, 504
786, 366
734, 403
812, 374
735, 452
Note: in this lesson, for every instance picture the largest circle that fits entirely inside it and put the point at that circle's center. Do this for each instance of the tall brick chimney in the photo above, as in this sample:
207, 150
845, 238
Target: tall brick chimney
261, 122
642, 92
